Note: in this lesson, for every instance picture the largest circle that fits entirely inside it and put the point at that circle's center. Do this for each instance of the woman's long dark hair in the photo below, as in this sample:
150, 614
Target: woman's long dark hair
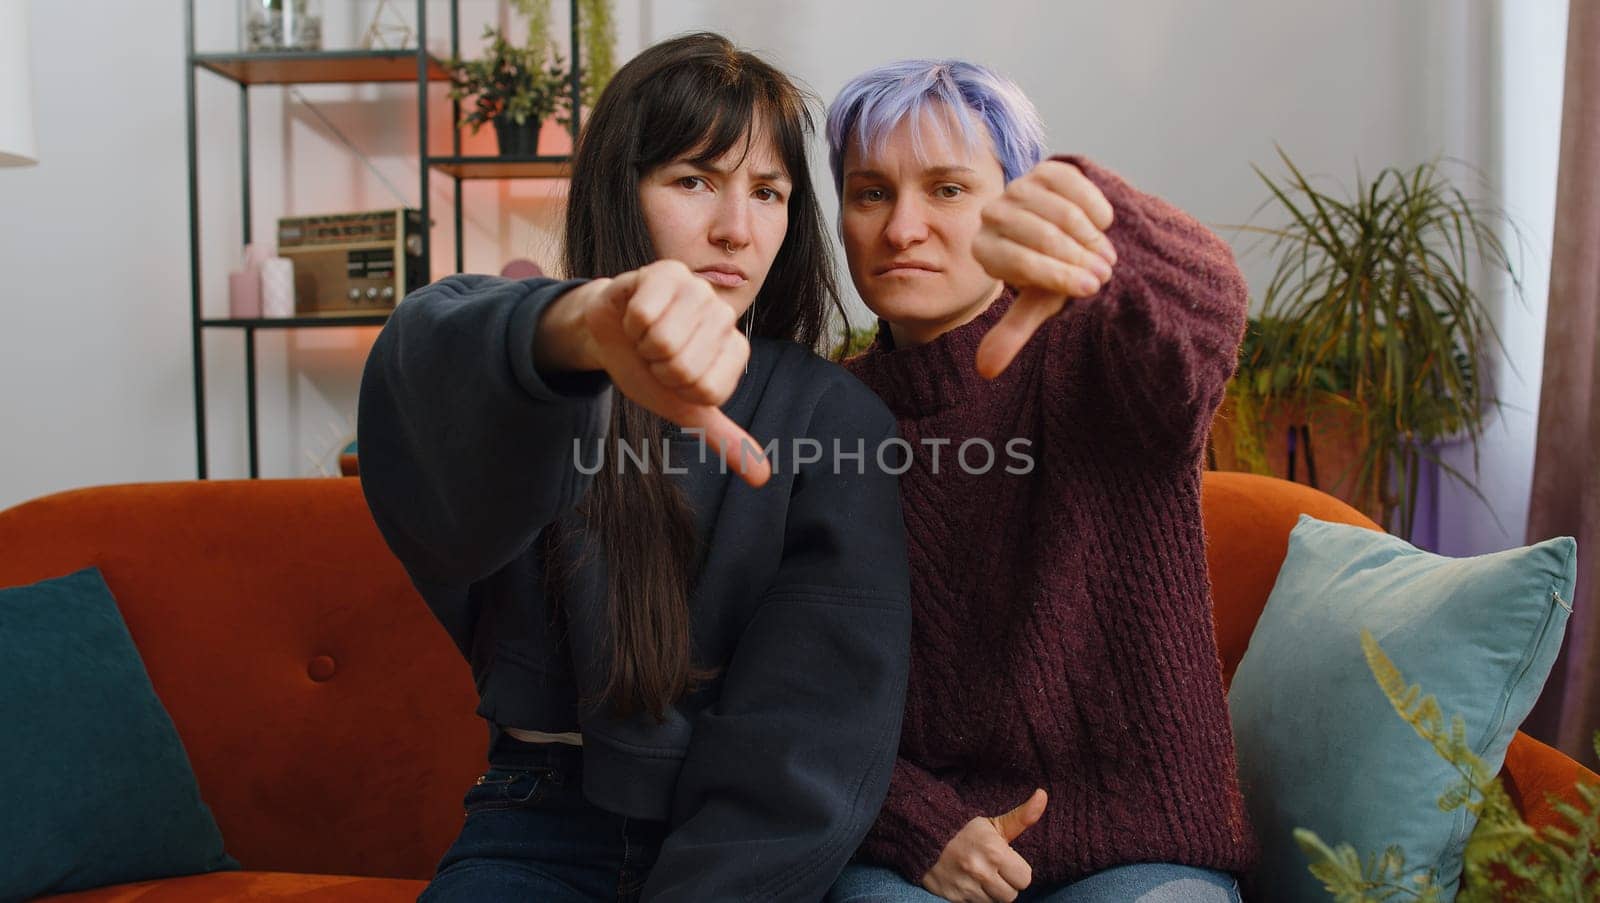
696, 96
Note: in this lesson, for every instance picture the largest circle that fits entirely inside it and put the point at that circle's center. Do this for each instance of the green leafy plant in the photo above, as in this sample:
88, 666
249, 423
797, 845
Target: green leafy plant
537, 13
1374, 300
1505, 860
855, 341
1260, 398
597, 28
1269, 377
517, 83
597, 40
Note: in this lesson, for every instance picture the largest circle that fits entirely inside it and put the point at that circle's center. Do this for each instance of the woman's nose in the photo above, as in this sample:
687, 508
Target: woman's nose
907, 225
730, 226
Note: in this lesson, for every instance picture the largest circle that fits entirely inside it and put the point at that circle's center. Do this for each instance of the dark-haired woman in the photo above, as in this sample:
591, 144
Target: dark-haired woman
693, 679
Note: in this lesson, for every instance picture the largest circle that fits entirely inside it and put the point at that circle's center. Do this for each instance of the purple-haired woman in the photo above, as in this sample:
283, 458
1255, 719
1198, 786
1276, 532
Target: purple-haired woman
1053, 344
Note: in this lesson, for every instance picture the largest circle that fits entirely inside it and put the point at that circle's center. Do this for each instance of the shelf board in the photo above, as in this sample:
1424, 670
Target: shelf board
503, 167
319, 67
305, 322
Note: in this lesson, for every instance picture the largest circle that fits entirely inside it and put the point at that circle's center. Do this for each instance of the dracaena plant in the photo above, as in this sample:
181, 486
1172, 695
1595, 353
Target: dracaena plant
1377, 299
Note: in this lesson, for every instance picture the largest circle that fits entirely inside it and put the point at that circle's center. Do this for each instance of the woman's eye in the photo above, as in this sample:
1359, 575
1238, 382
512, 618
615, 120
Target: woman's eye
949, 192
870, 195
768, 194
690, 182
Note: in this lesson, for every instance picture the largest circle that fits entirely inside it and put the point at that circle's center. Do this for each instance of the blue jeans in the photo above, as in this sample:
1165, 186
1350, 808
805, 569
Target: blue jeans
1144, 882
531, 835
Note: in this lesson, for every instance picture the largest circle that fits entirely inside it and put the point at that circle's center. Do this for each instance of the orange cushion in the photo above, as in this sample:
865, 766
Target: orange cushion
221, 886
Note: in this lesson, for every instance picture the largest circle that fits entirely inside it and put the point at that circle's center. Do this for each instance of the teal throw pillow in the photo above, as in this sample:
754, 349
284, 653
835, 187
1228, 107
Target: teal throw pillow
95, 786
1320, 746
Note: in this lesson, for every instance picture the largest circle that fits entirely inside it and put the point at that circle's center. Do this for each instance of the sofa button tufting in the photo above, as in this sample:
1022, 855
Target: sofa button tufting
321, 668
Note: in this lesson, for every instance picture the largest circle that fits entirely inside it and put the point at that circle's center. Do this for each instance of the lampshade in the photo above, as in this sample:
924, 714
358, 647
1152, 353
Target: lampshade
16, 87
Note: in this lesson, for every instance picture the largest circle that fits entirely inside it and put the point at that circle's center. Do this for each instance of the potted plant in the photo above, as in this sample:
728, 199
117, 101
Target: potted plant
1262, 427
597, 40
516, 88
1373, 319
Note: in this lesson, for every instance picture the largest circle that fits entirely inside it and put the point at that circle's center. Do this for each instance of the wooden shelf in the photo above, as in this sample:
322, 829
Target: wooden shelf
503, 167
303, 322
319, 67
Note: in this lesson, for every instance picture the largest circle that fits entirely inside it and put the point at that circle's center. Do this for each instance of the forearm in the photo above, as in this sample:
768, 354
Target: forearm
1170, 321
466, 452
562, 343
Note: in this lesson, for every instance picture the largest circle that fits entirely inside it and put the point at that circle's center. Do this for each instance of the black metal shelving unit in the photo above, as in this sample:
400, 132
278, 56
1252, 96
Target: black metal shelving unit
337, 67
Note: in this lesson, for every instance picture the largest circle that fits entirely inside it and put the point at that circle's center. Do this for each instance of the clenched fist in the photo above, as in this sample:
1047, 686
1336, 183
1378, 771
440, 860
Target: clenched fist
667, 342
1045, 237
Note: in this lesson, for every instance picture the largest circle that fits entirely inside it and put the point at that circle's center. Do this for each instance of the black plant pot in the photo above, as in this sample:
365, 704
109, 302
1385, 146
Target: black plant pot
517, 140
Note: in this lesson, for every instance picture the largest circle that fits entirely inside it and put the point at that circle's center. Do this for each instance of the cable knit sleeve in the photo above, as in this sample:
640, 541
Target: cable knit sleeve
919, 817
1162, 338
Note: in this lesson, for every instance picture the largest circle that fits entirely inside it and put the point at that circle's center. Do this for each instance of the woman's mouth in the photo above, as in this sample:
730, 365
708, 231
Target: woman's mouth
906, 268
722, 276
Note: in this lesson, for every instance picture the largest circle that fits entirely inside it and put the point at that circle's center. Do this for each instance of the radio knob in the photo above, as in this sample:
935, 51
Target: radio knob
372, 293
388, 292
355, 294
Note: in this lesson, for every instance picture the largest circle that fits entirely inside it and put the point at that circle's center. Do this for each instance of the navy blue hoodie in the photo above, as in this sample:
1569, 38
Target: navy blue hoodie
770, 774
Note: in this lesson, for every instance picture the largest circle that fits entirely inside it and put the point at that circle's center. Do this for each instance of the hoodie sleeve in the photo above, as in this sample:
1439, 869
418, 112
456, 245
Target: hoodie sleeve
467, 452
786, 772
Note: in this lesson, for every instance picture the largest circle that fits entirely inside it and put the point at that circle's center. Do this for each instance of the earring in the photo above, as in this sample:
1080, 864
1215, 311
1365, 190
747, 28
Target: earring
727, 246
749, 328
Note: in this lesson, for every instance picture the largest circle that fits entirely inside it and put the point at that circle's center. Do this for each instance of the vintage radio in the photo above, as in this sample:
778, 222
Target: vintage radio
348, 263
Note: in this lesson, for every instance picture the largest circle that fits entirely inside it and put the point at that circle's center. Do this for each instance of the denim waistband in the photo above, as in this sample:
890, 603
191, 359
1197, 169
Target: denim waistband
561, 765
564, 759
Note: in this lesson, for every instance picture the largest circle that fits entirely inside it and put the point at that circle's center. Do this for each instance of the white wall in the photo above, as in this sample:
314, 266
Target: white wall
1530, 78
1180, 97
96, 381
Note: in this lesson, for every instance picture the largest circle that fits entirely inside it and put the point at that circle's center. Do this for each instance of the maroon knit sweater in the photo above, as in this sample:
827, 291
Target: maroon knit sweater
1062, 634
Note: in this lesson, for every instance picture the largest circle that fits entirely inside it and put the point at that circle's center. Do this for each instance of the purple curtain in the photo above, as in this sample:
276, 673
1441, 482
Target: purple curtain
1566, 474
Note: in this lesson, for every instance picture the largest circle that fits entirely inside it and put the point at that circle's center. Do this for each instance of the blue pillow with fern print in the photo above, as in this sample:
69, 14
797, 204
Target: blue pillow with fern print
1319, 744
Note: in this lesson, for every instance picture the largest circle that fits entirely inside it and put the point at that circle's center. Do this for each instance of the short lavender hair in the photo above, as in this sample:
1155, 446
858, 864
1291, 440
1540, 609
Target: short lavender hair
873, 103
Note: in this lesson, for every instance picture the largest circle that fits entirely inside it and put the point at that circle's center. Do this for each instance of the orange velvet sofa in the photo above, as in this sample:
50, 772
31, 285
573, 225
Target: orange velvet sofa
328, 717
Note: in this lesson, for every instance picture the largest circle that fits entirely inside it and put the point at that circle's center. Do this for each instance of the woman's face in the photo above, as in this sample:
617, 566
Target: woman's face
725, 219
908, 220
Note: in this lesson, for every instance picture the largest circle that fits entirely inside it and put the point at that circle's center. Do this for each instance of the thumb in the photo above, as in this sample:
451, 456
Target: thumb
1013, 823
743, 453
1000, 346
617, 290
